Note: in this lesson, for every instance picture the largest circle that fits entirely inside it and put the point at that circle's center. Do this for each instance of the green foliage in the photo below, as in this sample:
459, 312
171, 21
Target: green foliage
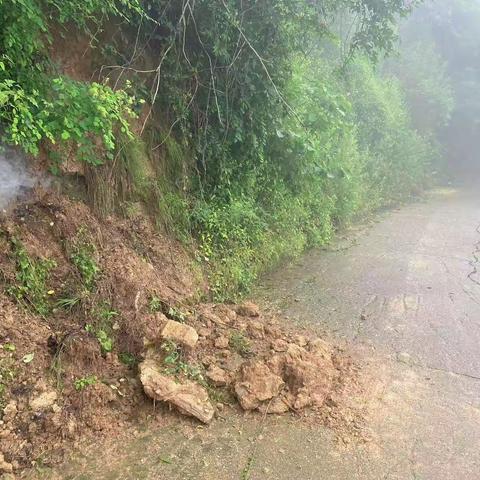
128, 359
39, 104
83, 256
103, 328
30, 288
84, 382
254, 148
174, 364
155, 304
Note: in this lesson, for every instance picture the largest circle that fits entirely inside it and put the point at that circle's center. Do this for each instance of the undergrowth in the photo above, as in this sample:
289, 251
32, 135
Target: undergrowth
250, 147
30, 287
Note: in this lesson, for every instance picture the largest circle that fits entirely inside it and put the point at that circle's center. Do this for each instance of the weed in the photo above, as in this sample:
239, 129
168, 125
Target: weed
84, 382
176, 314
31, 288
104, 339
175, 365
103, 328
128, 359
68, 303
155, 304
106, 312
83, 257
9, 347
240, 344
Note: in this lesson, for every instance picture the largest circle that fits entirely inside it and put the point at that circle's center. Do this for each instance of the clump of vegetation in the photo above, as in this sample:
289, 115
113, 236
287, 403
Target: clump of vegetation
174, 363
155, 304
84, 382
240, 344
103, 329
40, 105
128, 359
267, 152
30, 288
83, 256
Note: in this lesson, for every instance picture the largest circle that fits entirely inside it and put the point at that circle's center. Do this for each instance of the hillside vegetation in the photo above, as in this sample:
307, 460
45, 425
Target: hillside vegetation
248, 130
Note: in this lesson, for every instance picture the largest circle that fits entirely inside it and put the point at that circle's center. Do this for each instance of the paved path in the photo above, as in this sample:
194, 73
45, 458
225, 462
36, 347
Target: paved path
406, 296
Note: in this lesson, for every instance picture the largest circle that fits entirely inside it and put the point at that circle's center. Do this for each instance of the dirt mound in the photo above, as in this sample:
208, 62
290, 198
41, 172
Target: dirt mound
94, 314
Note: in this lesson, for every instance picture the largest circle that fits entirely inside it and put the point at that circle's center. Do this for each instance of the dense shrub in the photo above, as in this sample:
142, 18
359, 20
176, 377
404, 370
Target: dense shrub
266, 128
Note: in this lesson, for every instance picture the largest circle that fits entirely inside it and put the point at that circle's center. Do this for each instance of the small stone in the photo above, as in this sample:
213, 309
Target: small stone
221, 342
204, 332
180, 333
256, 329
44, 401
217, 376
248, 309
404, 357
280, 345
10, 411
5, 467
301, 341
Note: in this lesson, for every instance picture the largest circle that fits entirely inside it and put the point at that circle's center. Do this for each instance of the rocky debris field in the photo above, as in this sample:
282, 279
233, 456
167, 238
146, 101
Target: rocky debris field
101, 327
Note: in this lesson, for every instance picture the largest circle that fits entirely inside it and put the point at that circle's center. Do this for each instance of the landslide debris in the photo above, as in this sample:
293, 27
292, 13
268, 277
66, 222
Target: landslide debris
121, 337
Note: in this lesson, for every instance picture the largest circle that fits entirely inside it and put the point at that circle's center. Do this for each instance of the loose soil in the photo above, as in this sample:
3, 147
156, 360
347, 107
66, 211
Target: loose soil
60, 387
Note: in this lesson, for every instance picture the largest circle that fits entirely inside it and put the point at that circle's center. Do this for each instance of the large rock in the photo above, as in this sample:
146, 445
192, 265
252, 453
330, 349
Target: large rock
189, 397
256, 385
180, 333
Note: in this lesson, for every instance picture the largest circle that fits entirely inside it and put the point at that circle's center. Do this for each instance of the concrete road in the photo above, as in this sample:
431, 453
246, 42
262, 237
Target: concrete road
405, 295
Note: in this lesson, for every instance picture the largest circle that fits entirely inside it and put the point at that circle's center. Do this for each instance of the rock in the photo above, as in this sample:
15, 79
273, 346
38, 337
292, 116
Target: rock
204, 332
10, 411
301, 341
180, 333
208, 360
279, 345
256, 384
189, 397
221, 342
217, 376
276, 406
248, 309
256, 329
404, 357
44, 401
7, 476
321, 348
5, 467
273, 330
209, 317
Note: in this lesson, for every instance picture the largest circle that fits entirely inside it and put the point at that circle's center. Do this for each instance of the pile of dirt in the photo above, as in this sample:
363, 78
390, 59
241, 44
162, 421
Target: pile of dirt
249, 355
92, 358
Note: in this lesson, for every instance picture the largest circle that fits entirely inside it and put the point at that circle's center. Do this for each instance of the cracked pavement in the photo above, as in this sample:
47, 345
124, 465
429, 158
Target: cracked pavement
405, 298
